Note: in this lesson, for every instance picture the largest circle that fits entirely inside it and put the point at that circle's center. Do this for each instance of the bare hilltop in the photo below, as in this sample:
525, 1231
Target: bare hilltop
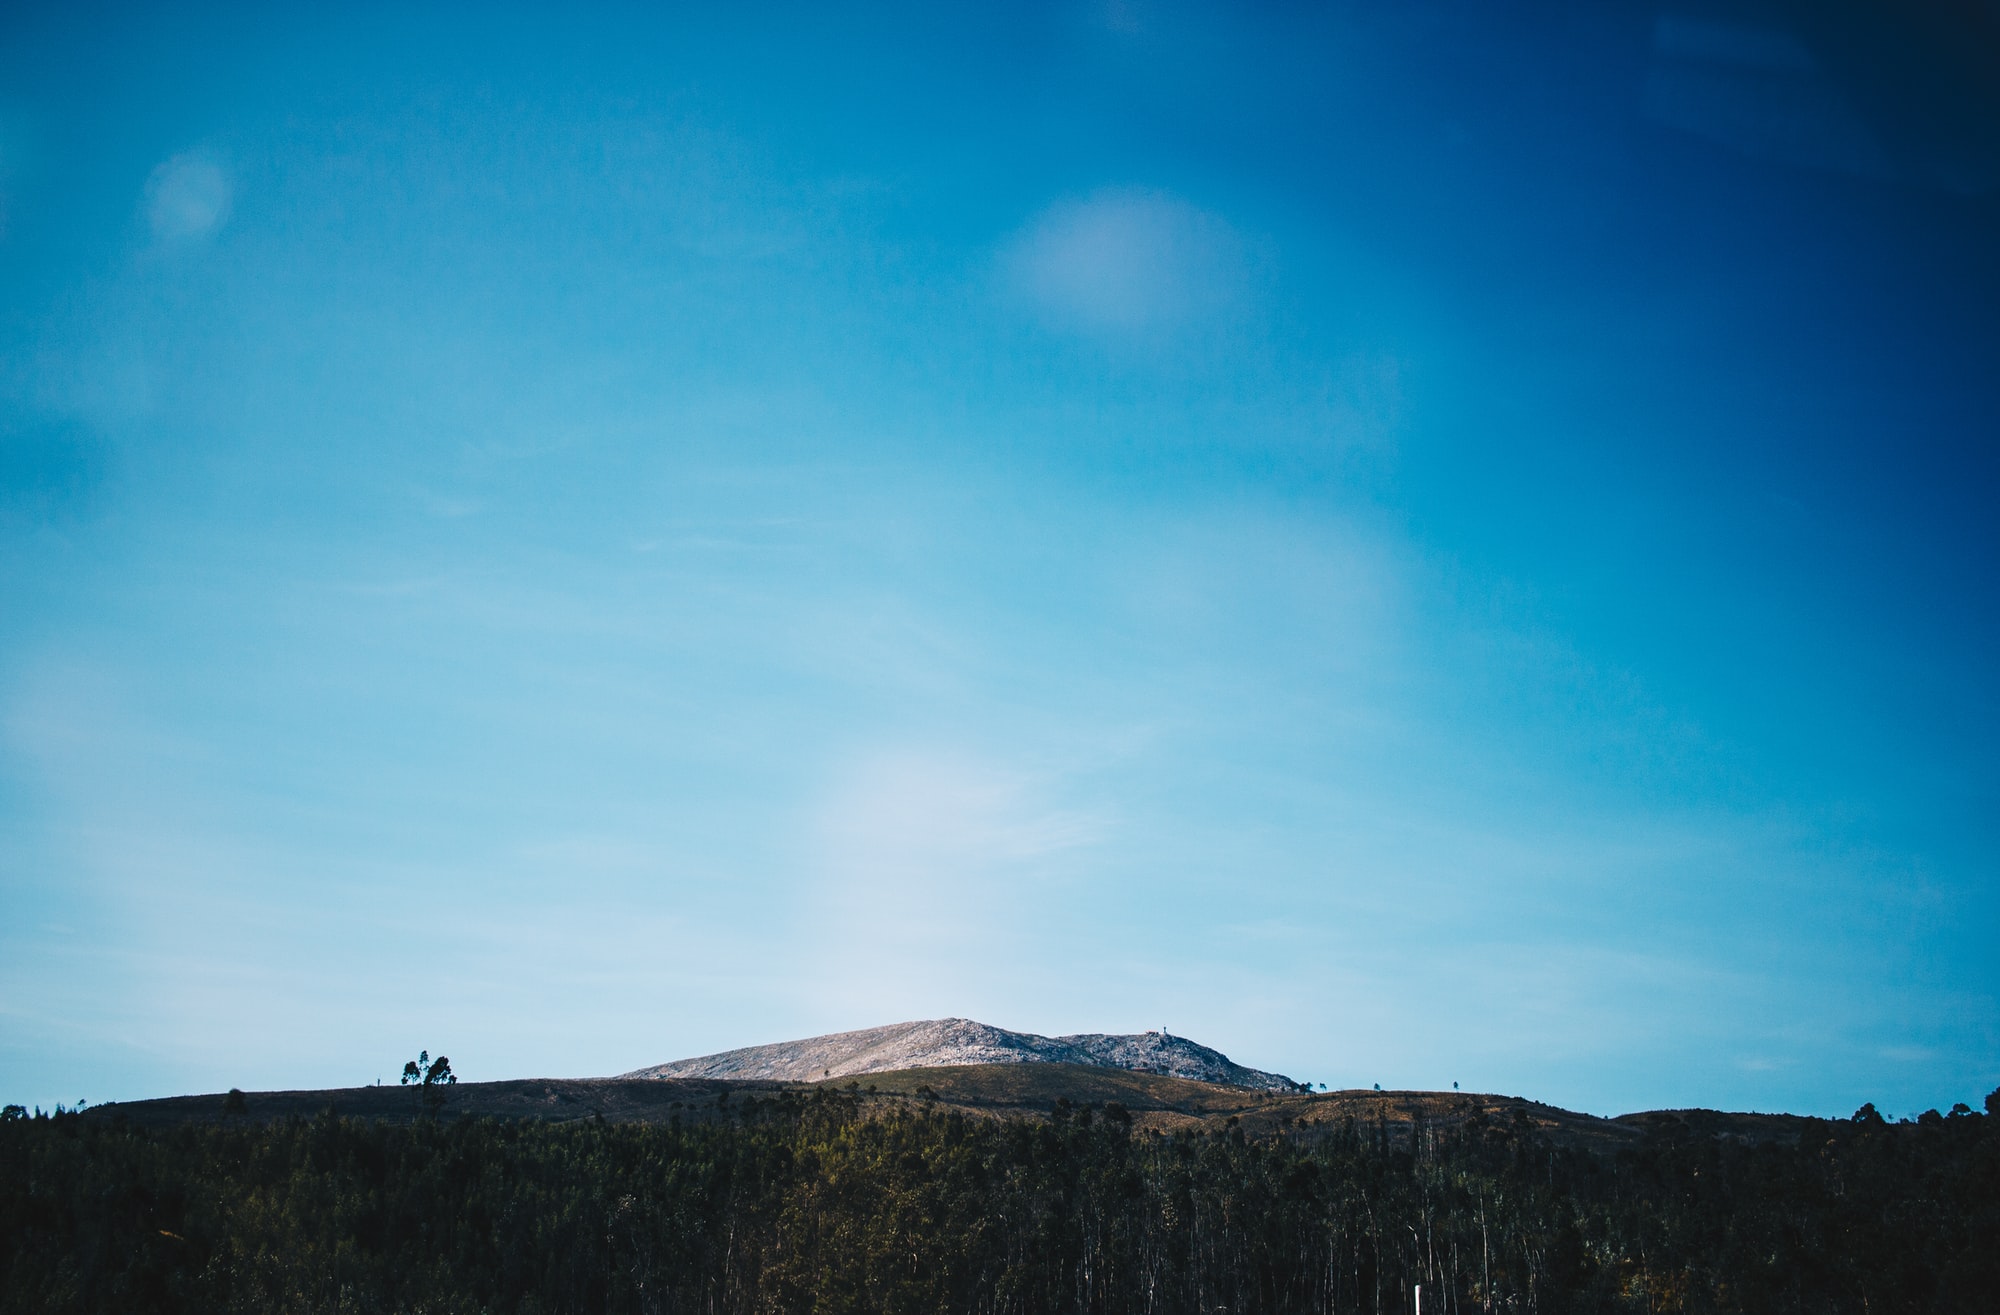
961, 1042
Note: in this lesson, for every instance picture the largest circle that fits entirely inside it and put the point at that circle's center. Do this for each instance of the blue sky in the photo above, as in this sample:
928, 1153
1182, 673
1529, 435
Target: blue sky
1412, 544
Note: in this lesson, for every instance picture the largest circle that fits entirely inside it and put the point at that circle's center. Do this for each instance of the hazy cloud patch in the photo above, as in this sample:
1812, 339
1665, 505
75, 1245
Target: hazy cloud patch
910, 818
1127, 261
188, 197
926, 860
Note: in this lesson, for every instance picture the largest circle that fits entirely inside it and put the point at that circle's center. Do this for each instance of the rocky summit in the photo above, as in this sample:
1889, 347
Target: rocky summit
945, 1042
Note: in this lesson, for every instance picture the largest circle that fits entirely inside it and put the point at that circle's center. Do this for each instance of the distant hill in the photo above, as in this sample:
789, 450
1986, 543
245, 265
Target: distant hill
1151, 1101
961, 1042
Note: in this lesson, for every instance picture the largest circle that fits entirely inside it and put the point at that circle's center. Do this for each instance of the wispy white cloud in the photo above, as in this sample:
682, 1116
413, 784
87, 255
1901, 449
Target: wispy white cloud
904, 820
929, 862
188, 197
1127, 261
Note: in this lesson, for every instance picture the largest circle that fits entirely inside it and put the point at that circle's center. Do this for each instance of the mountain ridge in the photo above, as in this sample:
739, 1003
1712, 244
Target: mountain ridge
963, 1042
1153, 1102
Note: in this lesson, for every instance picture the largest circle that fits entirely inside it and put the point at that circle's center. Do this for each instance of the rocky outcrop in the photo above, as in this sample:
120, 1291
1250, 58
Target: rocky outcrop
941, 1042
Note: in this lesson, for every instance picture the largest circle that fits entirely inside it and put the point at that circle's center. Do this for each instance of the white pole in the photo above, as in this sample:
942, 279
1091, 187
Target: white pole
1420, 1299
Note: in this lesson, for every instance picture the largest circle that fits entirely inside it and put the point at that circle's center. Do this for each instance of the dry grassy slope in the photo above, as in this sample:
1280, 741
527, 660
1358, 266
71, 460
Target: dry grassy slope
995, 1090
1167, 1104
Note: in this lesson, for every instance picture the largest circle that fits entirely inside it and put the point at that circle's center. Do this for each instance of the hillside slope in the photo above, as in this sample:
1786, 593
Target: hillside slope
1152, 1102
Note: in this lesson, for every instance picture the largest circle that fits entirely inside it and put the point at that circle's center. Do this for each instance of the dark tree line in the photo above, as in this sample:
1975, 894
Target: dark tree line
811, 1204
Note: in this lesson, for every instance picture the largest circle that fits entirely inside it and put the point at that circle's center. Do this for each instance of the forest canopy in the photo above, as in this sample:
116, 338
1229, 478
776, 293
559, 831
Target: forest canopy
809, 1203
